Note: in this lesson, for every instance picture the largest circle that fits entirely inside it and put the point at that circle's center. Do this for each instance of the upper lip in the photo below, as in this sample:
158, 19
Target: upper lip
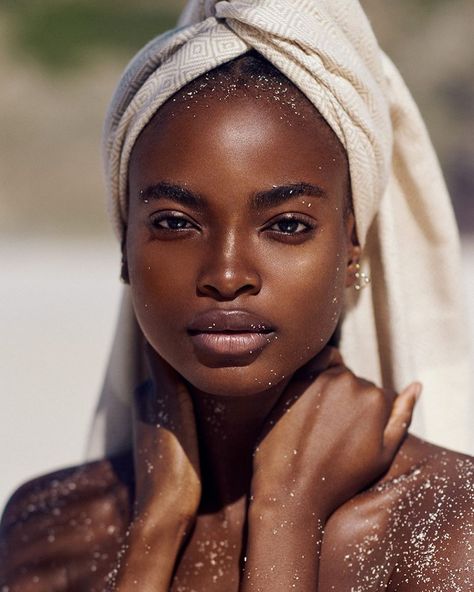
236, 321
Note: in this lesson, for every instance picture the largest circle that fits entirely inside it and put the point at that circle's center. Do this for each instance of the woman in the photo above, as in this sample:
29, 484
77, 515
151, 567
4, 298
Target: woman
247, 197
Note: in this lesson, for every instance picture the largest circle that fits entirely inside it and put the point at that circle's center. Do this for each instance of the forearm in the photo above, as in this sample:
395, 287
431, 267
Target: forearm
148, 557
283, 549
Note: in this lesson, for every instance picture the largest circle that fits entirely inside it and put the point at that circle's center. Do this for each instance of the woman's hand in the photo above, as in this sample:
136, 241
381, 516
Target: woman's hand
166, 456
330, 436
167, 481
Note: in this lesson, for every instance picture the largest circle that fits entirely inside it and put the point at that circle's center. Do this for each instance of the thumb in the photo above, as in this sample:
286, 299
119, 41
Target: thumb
400, 418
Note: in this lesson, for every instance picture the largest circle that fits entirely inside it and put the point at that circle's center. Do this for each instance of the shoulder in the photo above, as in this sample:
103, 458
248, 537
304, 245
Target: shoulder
436, 517
52, 523
413, 530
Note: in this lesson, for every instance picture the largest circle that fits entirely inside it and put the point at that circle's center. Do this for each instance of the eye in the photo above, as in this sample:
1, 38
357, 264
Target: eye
291, 224
171, 221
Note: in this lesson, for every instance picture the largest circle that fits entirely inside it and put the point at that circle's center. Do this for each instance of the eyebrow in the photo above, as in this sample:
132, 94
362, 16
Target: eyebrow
176, 193
269, 198
280, 194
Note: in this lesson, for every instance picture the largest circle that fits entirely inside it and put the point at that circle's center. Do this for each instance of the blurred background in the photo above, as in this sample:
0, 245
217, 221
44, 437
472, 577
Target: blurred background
59, 63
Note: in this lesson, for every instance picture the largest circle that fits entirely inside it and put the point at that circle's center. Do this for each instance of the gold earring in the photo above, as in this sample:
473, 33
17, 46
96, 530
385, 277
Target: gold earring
363, 280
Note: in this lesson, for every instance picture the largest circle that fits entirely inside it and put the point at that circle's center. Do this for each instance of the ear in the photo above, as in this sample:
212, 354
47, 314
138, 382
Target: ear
124, 264
354, 250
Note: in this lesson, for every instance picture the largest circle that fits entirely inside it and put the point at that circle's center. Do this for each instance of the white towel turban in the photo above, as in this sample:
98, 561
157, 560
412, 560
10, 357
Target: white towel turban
408, 324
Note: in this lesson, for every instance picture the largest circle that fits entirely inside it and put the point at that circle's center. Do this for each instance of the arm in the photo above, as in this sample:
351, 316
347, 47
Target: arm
167, 484
53, 527
147, 559
331, 438
283, 547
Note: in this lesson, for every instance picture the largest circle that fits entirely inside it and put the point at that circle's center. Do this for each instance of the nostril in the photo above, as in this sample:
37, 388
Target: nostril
248, 288
208, 290
225, 291
223, 281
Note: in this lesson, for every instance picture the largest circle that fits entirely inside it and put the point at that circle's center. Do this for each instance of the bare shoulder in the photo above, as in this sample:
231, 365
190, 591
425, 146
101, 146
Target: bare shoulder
436, 518
413, 530
59, 525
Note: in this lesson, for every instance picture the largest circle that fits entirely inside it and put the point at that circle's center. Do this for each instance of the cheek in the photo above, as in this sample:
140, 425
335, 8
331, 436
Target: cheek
312, 295
161, 291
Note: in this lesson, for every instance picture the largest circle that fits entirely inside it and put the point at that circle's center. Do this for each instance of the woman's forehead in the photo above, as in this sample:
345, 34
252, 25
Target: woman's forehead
217, 100
239, 123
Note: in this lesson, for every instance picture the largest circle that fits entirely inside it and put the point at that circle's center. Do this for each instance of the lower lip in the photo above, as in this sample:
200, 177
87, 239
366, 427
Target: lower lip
233, 346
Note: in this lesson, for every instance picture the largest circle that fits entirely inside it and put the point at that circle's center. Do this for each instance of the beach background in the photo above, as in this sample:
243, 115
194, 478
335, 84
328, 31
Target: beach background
59, 286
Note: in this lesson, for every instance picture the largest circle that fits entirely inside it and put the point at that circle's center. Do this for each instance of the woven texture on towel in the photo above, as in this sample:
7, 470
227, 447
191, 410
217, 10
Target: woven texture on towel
408, 324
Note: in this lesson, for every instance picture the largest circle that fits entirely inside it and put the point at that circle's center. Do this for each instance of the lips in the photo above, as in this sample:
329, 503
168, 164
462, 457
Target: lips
229, 337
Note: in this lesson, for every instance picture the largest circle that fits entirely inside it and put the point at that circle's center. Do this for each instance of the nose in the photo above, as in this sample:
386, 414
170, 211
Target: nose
228, 271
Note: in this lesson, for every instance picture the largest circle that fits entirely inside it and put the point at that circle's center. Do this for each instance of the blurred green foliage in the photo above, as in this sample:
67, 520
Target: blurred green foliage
64, 34
61, 34
423, 4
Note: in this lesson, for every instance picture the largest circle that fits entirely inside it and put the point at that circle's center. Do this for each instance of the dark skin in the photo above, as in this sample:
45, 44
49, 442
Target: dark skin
279, 454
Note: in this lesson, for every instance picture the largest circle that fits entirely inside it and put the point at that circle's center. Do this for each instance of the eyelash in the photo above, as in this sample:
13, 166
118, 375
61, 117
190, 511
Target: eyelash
307, 224
303, 224
158, 218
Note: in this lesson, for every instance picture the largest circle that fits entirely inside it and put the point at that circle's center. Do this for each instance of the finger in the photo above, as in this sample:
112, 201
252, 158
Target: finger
164, 401
50, 536
164, 415
147, 409
400, 417
144, 408
390, 398
162, 373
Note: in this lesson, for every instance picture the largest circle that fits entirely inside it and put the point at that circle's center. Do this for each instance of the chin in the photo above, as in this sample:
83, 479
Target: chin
233, 381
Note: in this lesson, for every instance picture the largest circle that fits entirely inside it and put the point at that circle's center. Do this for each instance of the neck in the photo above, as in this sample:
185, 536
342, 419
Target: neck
228, 430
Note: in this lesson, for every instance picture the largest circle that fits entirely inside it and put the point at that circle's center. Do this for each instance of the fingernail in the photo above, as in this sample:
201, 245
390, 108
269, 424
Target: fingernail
417, 389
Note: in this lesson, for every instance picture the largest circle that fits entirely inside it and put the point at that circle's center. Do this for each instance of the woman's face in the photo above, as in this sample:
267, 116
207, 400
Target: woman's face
237, 245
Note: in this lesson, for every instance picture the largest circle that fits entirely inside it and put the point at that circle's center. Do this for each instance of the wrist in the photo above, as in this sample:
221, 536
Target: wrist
293, 503
168, 523
277, 513
283, 547
145, 540
173, 505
